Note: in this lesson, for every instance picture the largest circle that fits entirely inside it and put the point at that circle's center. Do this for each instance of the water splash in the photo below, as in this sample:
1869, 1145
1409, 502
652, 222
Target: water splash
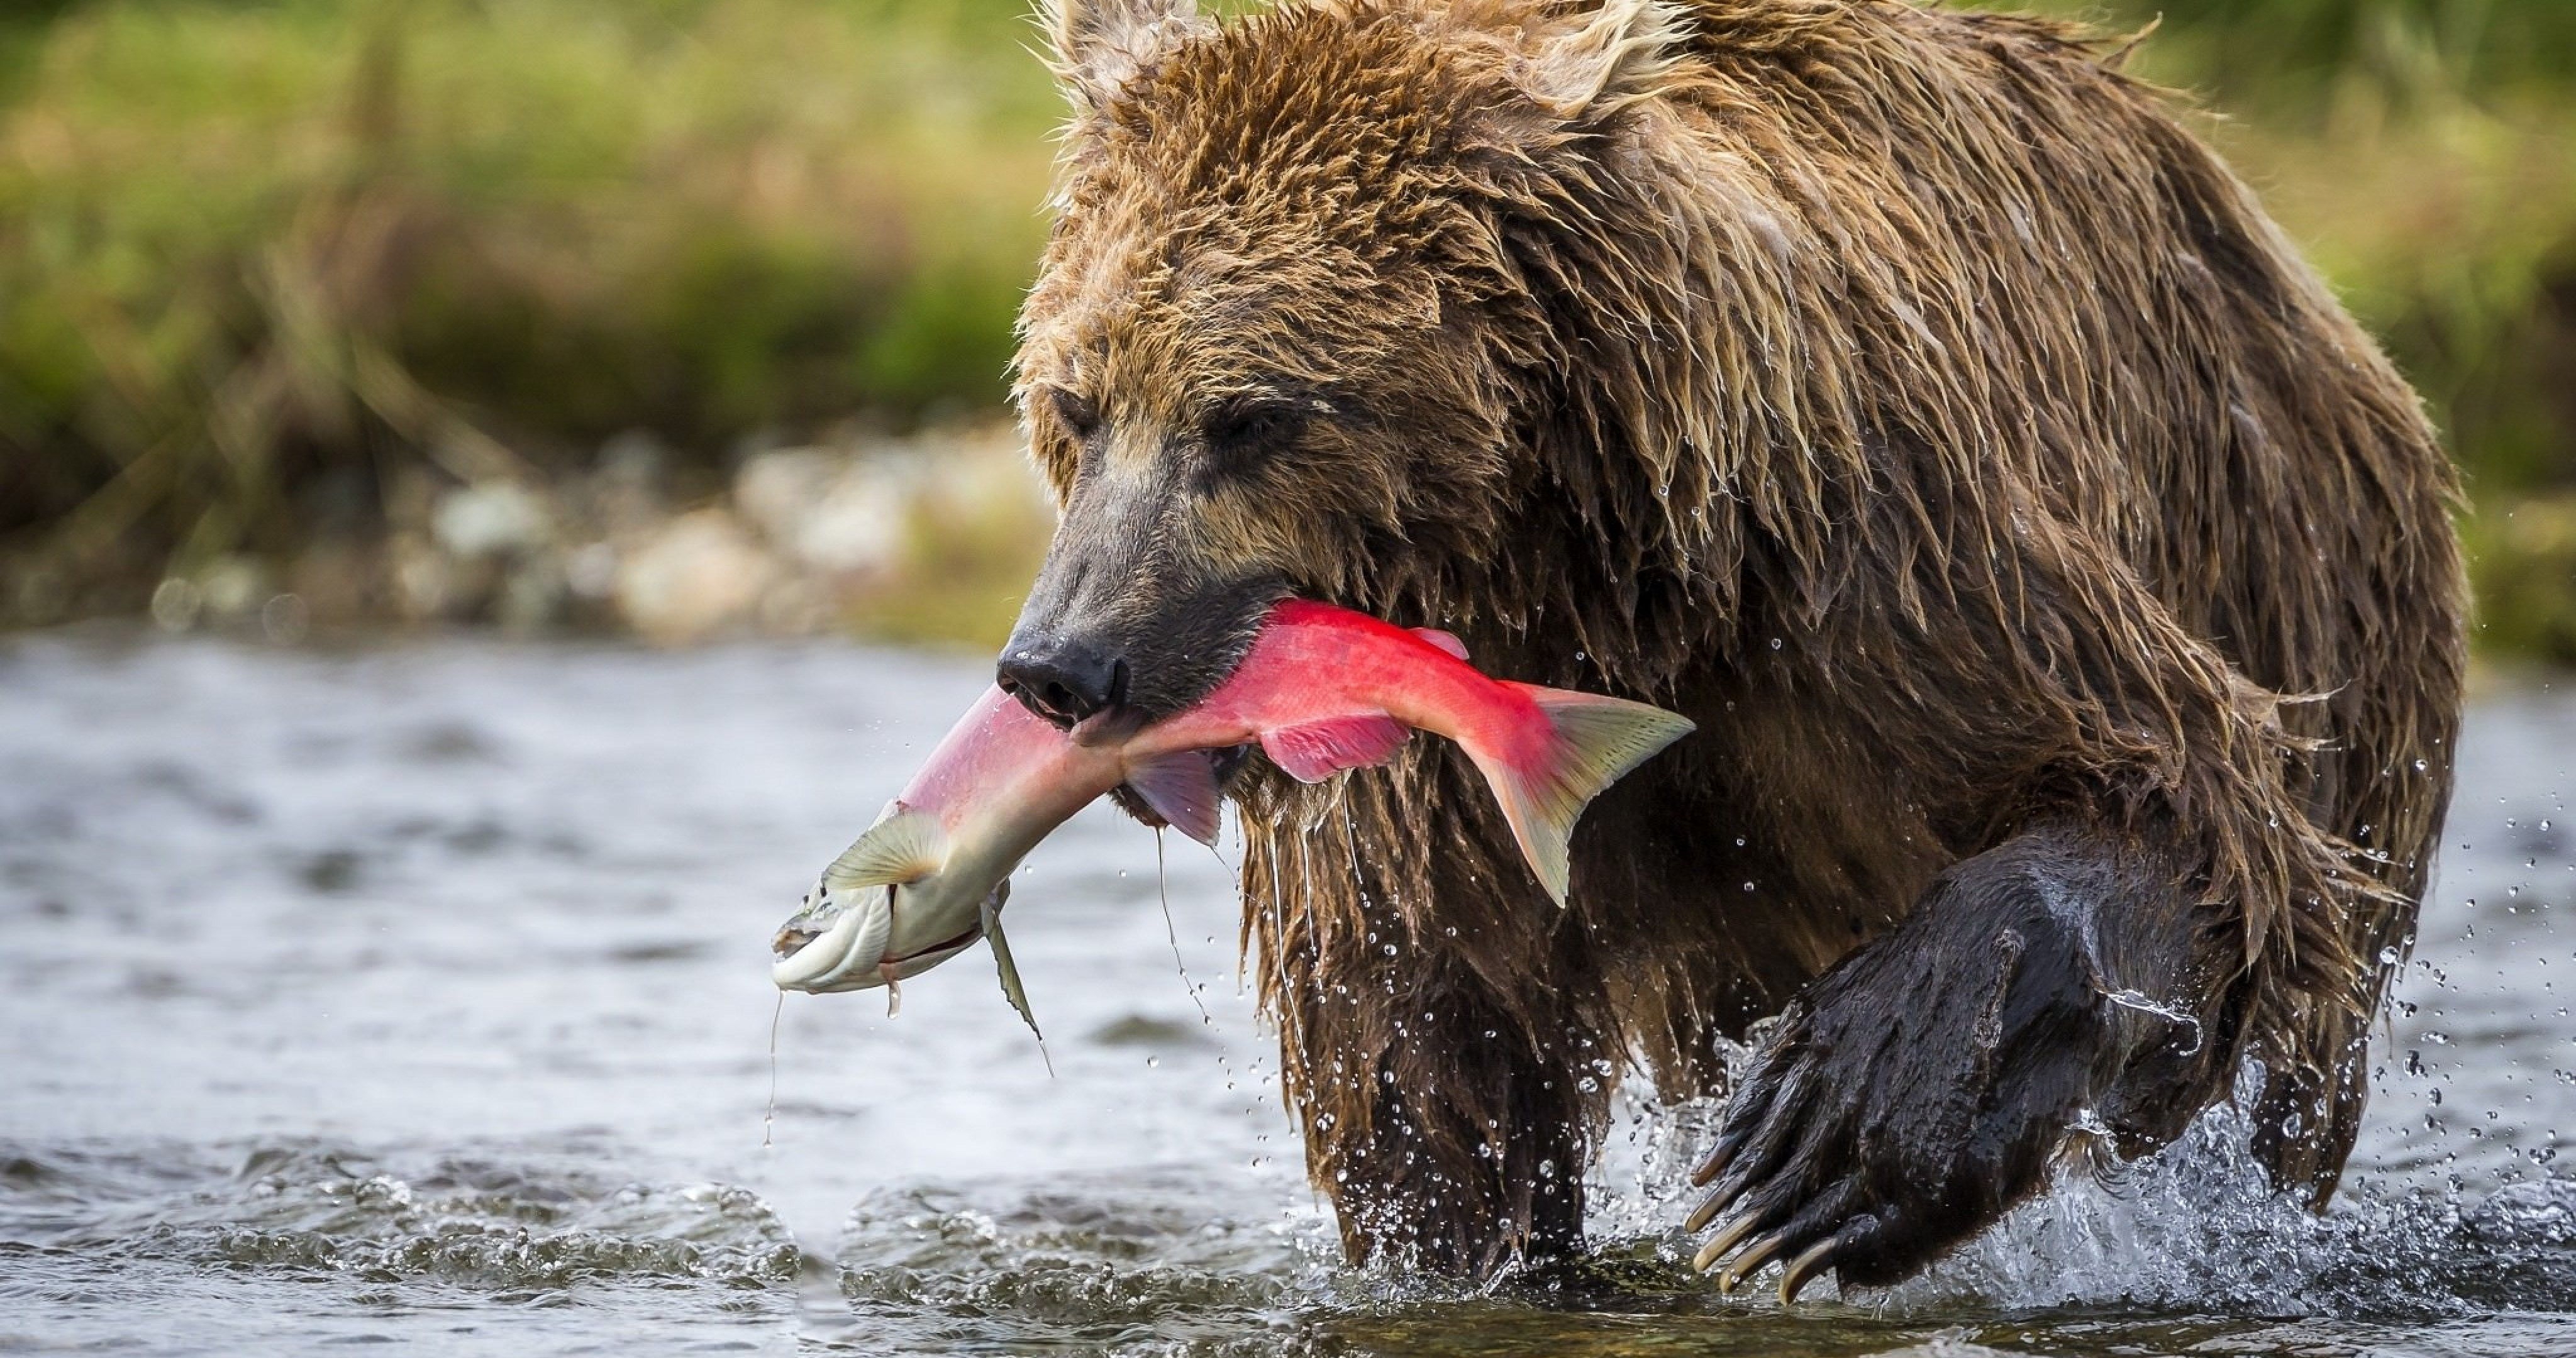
2197, 1228
488, 1225
2131, 999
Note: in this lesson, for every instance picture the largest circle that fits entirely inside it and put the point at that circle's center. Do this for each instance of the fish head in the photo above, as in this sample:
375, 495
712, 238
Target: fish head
881, 912
856, 948
833, 942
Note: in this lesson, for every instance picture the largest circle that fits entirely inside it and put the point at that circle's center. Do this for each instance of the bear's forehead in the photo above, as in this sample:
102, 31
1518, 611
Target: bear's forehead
1268, 204
1293, 113
1194, 319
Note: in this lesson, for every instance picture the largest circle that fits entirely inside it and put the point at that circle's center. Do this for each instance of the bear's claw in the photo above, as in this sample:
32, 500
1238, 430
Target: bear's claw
1803, 1269
1912, 1094
1780, 1225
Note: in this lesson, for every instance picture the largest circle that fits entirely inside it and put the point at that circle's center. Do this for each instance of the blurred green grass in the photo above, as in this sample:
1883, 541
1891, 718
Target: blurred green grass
257, 256
248, 245
2424, 154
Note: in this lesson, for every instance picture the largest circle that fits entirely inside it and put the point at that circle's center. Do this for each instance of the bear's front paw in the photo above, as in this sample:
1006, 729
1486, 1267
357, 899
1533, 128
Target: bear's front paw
1910, 1096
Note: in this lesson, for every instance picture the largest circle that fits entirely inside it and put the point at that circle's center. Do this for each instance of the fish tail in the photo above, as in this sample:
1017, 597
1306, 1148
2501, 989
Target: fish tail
1593, 741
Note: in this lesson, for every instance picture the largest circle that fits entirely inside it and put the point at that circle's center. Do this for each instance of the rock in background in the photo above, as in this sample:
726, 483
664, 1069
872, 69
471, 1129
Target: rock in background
929, 538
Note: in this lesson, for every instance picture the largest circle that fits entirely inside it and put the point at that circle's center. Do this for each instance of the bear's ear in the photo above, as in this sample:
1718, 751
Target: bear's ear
1597, 60
1098, 44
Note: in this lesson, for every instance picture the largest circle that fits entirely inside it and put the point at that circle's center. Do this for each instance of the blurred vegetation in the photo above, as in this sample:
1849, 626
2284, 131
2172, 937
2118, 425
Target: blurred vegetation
2424, 153
261, 258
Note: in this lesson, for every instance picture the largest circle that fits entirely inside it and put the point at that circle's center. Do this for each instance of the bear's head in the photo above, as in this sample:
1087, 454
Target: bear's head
1284, 339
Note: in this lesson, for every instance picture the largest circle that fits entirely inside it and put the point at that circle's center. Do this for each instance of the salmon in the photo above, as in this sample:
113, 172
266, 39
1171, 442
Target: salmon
1321, 690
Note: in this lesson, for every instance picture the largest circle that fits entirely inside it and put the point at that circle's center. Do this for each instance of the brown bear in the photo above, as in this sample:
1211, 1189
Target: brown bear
2063, 585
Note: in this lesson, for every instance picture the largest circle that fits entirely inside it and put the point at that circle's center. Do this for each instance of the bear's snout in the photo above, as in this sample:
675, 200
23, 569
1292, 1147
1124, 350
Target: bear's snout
1062, 678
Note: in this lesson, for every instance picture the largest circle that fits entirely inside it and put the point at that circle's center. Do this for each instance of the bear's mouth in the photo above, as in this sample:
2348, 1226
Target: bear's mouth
1108, 644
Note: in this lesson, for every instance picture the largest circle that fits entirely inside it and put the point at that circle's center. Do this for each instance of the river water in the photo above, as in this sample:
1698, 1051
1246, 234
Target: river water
418, 995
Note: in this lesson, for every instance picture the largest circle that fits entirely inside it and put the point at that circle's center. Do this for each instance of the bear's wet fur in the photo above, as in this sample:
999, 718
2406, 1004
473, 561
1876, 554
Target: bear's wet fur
2064, 586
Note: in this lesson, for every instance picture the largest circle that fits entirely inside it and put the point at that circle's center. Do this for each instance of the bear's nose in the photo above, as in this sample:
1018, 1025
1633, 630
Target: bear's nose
1062, 679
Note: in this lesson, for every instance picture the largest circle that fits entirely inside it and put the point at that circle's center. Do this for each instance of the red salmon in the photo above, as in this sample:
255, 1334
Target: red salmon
1322, 689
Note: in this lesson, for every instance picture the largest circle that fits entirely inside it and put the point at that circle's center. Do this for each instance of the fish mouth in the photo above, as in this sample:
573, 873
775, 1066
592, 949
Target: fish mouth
831, 959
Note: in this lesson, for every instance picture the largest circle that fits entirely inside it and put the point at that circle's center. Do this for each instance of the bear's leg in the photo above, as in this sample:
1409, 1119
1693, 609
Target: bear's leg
1446, 1136
2064, 982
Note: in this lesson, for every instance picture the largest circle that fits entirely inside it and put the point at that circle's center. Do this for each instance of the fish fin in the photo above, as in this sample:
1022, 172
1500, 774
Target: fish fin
1318, 750
1447, 641
1595, 741
904, 847
1181, 788
1012, 990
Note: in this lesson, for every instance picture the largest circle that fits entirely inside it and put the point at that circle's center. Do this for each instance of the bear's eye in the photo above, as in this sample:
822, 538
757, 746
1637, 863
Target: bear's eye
1080, 417
1251, 428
